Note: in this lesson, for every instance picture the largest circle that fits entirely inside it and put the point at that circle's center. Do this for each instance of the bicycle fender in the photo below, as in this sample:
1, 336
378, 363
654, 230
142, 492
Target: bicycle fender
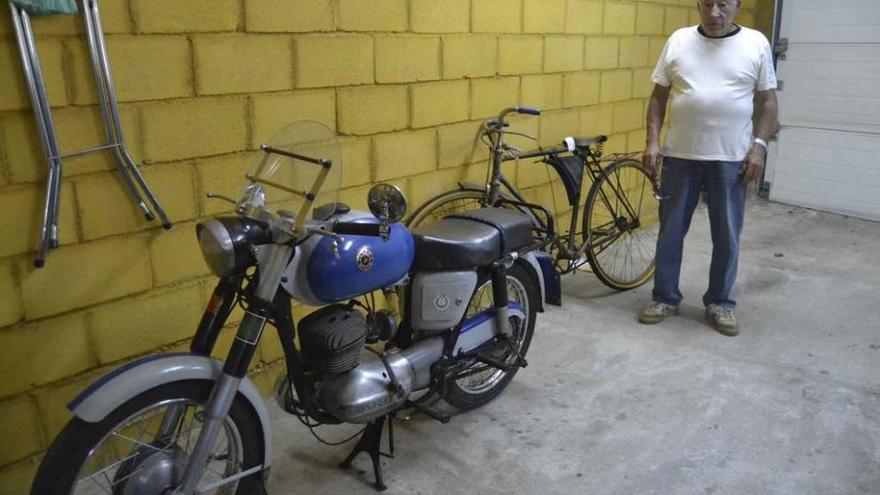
125, 382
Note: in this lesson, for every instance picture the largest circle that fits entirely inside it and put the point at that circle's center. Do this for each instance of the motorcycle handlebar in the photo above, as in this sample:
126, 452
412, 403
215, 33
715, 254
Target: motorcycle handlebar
354, 228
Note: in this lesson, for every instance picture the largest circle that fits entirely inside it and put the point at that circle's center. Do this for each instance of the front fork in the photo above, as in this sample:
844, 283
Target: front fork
241, 353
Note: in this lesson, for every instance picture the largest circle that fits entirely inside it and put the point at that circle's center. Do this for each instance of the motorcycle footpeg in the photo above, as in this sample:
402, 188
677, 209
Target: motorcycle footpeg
443, 418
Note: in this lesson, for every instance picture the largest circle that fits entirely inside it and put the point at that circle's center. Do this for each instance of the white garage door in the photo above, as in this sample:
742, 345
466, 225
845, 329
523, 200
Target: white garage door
828, 153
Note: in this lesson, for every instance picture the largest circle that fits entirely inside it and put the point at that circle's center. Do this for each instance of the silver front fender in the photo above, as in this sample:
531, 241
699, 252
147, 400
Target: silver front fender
129, 380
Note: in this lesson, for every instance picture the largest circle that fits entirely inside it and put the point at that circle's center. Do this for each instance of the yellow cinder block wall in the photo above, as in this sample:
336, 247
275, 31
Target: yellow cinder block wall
202, 83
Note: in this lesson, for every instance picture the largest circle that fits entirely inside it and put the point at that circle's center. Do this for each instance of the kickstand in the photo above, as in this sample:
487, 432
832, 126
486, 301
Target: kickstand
371, 443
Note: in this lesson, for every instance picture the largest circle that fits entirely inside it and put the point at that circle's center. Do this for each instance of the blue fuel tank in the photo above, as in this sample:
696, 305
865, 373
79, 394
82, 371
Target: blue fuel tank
365, 264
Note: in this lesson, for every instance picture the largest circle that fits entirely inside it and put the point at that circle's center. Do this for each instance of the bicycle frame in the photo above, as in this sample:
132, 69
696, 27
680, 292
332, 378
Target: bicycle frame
591, 159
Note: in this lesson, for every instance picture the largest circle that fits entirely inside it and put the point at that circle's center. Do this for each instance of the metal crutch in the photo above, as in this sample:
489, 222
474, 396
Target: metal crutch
109, 111
43, 117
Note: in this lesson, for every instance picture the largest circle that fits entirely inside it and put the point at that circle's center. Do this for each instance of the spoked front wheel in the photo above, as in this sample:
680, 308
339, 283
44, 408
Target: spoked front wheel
143, 447
445, 204
621, 223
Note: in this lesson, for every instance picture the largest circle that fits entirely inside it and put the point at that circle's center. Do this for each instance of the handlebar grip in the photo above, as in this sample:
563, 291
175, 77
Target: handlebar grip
528, 110
354, 228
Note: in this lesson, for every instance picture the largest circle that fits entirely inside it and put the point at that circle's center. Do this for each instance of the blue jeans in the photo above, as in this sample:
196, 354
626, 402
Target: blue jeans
681, 184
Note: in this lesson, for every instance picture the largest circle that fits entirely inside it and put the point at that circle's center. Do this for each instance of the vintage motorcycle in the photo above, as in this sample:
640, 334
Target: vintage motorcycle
467, 289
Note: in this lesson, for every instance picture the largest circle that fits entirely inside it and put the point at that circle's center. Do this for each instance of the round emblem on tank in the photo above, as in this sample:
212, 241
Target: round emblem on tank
365, 259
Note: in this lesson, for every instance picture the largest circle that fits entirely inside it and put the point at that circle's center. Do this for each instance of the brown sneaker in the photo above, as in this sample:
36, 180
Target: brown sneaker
656, 312
722, 319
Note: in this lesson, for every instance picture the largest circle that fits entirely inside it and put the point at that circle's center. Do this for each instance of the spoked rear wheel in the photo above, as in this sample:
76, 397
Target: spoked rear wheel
127, 453
480, 383
621, 223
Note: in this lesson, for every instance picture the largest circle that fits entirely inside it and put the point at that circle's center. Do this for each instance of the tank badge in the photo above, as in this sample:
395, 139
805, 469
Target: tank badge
441, 302
365, 259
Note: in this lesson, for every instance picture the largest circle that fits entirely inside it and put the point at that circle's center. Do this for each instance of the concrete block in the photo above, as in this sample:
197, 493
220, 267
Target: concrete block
375, 15
21, 223
596, 120
356, 154
459, 144
580, 89
372, 109
629, 115
272, 112
439, 16
649, 19
543, 16
635, 140
13, 87
544, 92
642, 83
10, 304
520, 54
469, 56
601, 53
496, 16
182, 129
616, 144
557, 125
222, 175
17, 478
529, 173
439, 102
302, 16
616, 85
620, 18
175, 255
655, 48
192, 16
563, 53
20, 429
407, 58
583, 17
634, 51
144, 68
675, 18
43, 352
238, 63
490, 96
105, 206
404, 153
85, 274
333, 60
135, 326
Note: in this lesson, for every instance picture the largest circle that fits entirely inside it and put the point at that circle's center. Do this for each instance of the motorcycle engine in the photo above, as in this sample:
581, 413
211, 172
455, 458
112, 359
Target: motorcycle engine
331, 339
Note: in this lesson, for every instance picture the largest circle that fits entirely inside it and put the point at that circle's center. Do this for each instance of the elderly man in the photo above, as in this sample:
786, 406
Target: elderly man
718, 75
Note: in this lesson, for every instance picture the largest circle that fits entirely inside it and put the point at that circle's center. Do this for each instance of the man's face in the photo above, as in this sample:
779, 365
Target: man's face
716, 16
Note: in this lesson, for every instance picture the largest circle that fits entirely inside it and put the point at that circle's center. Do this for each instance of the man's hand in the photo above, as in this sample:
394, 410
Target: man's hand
651, 159
753, 165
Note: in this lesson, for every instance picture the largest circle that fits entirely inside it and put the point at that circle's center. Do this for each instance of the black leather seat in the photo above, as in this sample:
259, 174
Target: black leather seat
470, 239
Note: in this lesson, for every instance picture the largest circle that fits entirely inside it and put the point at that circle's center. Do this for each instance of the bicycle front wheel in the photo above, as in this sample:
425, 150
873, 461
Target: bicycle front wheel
621, 223
445, 204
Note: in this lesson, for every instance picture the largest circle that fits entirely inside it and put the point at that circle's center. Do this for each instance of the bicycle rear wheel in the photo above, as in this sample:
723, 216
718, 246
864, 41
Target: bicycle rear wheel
445, 204
620, 225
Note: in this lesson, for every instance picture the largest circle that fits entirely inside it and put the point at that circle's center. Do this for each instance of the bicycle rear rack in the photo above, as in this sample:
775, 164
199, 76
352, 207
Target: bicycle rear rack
131, 176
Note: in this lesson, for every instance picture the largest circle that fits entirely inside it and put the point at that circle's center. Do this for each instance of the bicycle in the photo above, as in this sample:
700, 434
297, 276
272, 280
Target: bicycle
620, 222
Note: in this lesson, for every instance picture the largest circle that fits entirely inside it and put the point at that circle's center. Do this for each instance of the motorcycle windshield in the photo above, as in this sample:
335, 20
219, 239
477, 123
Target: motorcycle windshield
298, 171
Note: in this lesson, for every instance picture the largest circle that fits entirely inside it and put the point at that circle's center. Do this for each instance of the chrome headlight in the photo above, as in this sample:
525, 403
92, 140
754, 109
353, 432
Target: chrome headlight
217, 246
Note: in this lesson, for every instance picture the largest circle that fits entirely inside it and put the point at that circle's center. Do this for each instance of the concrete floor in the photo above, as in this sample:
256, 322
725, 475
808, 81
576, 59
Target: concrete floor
609, 406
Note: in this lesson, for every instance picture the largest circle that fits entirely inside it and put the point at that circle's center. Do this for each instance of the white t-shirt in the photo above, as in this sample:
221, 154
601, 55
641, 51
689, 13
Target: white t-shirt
713, 83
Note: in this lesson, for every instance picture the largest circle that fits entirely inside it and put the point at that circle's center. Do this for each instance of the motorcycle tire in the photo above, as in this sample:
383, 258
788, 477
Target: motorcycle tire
523, 289
69, 454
